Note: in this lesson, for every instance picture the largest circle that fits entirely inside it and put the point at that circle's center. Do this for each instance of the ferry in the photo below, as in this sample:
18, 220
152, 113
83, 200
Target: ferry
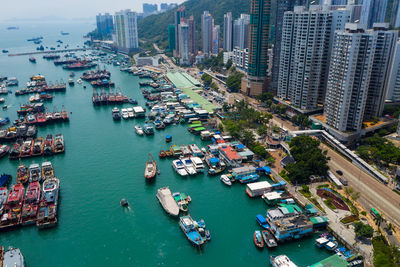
188, 164
59, 145
151, 168
281, 261
167, 201
35, 173
179, 167
47, 214
47, 170
22, 174
3, 198
139, 130
31, 204
188, 227
12, 209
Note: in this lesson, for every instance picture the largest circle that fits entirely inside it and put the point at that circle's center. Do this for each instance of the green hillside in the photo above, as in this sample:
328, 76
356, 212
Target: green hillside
154, 27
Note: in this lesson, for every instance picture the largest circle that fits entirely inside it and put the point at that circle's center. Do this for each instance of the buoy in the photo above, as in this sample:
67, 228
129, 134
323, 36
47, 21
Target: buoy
124, 202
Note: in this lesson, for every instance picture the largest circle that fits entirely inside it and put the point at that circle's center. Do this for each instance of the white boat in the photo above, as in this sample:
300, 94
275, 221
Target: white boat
187, 162
164, 195
281, 261
196, 150
131, 114
225, 180
179, 167
124, 113
79, 81
198, 164
139, 130
2, 100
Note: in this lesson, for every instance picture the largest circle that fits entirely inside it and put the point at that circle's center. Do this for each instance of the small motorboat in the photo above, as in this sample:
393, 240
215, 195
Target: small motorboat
4, 150
162, 154
168, 138
151, 168
139, 130
258, 240
269, 239
116, 114
226, 180
124, 202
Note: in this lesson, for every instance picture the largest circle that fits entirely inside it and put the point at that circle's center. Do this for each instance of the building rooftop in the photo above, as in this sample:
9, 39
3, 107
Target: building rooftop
332, 261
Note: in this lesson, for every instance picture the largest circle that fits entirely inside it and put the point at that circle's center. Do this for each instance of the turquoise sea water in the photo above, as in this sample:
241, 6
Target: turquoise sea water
104, 162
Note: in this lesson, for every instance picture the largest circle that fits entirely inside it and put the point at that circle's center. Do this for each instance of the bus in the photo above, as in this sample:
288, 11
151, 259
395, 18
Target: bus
374, 213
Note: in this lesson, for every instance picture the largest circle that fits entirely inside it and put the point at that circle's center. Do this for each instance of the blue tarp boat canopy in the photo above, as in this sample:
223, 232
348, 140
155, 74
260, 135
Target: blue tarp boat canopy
240, 146
168, 136
214, 160
261, 219
265, 169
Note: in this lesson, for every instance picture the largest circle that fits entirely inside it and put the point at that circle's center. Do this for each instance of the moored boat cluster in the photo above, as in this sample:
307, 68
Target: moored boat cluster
35, 204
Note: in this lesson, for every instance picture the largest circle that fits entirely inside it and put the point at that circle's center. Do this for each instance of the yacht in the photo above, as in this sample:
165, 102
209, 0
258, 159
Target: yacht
164, 195
131, 114
124, 113
225, 179
179, 167
198, 164
139, 130
116, 114
281, 261
187, 162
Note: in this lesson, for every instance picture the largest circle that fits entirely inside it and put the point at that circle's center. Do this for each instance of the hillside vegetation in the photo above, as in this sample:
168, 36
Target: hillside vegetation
155, 27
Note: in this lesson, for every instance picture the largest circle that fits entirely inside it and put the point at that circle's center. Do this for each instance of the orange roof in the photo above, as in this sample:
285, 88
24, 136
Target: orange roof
221, 141
230, 152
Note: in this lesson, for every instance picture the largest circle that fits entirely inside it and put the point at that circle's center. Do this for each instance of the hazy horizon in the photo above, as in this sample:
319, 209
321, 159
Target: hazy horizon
24, 10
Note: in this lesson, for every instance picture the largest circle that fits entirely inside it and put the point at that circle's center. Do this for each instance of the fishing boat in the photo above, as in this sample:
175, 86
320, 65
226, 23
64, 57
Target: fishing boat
151, 168
35, 173
196, 151
31, 204
71, 81
41, 119
179, 167
5, 179
4, 150
47, 213
182, 201
22, 174
47, 170
188, 164
162, 154
48, 147
116, 115
188, 227
216, 166
269, 239
32, 59
37, 149
258, 240
59, 145
26, 149
12, 208
64, 114
168, 138
148, 129
139, 130
226, 180
15, 151
3, 197
167, 201
4, 121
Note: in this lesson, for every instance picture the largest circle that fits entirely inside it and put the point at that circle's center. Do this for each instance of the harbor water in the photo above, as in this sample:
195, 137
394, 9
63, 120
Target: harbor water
104, 162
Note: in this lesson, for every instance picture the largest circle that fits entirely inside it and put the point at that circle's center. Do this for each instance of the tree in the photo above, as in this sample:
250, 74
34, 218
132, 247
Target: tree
228, 64
363, 230
214, 86
310, 159
262, 130
264, 97
207, 79
234, 81
248, 137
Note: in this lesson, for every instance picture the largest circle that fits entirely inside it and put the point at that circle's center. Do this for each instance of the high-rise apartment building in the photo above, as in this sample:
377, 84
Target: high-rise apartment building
125, 31
184, 42
192, 37
179, 15
228, 32
354, 93
241, 28
373, 11
215, 40
207, 27
255, 83
280, 8
105, 25
393, 90
307, 36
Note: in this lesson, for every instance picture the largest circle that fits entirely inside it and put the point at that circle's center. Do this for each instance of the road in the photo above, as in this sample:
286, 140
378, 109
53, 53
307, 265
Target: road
372, 193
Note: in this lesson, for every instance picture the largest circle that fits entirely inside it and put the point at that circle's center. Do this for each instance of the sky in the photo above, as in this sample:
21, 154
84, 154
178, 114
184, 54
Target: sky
70, 9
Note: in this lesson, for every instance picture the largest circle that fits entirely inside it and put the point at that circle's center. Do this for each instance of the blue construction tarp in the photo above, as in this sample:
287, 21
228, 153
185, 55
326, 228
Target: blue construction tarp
214, 160
265, 169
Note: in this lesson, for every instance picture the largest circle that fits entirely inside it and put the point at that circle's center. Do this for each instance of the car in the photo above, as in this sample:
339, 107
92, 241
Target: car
339, 172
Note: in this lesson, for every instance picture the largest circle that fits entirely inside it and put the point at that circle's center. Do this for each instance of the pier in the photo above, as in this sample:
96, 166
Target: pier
48, 52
